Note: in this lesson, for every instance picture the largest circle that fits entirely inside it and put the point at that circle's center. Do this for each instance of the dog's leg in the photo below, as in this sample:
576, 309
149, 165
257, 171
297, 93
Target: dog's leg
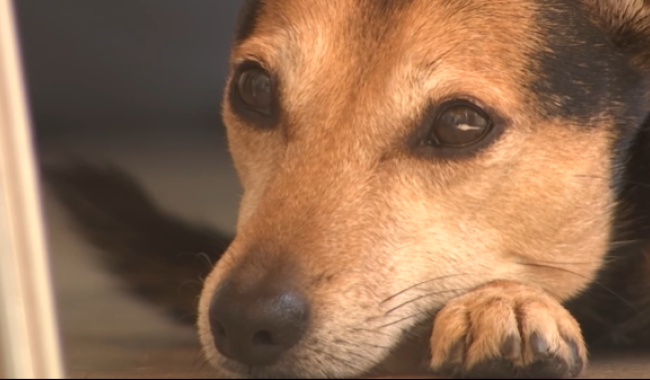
507, 330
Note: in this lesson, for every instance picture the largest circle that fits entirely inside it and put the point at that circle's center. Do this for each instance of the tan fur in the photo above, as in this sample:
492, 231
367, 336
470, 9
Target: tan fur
377, 237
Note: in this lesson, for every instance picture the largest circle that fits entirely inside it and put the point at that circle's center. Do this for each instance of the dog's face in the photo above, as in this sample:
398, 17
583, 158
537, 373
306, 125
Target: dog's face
396, 154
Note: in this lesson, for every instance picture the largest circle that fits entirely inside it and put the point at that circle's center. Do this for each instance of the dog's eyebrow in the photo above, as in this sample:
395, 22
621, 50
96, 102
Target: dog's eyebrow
247, 19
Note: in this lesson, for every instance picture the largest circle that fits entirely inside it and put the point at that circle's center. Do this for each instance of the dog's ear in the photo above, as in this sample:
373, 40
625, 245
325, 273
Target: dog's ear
628, 24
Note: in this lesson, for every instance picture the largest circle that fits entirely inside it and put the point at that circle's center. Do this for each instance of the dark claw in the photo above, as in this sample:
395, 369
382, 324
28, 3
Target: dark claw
455, 360
577, 361
546, 366
457, 352
538, 345
511, 348
493, 369
552, 367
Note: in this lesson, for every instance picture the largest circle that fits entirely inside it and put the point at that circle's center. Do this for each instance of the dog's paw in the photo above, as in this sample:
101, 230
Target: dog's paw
507, 330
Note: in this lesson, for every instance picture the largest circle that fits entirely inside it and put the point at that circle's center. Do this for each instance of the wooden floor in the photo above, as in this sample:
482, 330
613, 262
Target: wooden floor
118, 361
107, 334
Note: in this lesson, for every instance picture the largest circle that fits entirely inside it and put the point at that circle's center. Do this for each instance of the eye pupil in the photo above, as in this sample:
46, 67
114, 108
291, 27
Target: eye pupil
459, 125
255, 90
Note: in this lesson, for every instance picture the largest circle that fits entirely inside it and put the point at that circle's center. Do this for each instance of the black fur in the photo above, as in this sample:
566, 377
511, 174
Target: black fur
614, 310
580, 73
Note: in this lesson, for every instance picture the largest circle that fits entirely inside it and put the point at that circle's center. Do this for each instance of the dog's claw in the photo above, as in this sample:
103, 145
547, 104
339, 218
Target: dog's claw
538, 345
511, 348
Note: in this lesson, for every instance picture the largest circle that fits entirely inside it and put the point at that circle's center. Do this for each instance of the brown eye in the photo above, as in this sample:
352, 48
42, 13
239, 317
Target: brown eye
459, 125
255, 89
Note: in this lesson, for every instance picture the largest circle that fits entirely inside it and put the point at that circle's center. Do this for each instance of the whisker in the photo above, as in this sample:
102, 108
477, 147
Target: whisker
348, 364
589, 176
187, 316
424, 296
200, 357
398, 321
602, 286
375, 332
375, 346
186, 283
569, 262
206, 257
363, 358
608, 179
423, 283
619, 243
206, 362
197, 255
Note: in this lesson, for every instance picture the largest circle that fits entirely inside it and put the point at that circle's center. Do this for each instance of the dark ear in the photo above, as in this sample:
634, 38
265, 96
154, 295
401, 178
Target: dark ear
628, 24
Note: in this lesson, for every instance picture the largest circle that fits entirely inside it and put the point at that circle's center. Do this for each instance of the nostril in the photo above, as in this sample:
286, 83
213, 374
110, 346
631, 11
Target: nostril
263, 338
220, 336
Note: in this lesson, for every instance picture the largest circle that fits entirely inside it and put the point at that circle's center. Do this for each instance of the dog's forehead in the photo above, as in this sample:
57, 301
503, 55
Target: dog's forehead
361, 37
373, 15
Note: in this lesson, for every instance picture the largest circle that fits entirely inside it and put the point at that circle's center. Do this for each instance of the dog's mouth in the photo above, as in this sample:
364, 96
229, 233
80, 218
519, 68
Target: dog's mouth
407, 359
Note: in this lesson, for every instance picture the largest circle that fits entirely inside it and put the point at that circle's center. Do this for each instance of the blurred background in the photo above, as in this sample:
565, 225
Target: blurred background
138, 84
103, 66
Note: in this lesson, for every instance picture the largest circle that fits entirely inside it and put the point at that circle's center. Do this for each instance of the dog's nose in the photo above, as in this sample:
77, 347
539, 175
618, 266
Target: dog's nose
256, 327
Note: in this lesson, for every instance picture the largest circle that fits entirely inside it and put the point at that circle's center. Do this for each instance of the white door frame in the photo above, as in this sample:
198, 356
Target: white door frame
29, 337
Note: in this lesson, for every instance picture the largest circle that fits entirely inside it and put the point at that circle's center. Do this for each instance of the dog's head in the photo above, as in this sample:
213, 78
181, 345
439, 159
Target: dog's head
397, 153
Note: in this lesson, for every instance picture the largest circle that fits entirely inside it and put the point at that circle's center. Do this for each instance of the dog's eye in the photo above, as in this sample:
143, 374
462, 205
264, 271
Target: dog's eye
255, 88
459, 125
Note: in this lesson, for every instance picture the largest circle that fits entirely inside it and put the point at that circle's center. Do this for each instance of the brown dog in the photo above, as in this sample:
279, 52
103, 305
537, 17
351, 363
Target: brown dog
469, 174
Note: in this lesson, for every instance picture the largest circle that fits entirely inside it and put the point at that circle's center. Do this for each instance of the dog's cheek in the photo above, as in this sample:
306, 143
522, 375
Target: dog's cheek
537, 210
554, 212
427, 241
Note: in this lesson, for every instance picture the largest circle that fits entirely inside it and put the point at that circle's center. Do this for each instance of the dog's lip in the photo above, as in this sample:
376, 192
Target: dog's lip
402, 373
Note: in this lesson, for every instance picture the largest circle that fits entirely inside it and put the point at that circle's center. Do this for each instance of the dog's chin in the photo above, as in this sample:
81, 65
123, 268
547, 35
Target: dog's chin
391, 368
408, 359
228, 369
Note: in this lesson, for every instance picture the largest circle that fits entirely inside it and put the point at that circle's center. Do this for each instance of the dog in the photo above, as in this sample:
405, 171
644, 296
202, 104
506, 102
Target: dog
451, 187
